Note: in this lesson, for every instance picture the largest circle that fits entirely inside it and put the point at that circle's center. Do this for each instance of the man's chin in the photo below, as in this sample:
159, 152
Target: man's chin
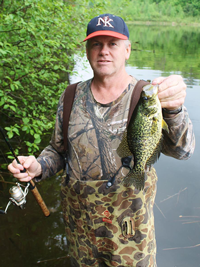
102, 74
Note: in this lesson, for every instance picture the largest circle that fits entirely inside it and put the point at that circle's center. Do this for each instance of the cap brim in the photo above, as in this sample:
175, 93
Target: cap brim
106, 33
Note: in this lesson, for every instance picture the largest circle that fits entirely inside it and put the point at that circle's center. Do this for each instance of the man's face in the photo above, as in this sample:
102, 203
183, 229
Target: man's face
107, 55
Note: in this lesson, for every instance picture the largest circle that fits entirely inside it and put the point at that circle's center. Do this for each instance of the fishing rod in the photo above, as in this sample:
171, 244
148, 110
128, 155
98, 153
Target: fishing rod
18, 196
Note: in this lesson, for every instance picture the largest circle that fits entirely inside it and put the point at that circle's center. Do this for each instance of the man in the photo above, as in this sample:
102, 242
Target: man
108, 226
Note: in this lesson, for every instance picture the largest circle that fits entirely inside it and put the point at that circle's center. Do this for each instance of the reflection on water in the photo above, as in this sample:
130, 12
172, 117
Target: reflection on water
30, 239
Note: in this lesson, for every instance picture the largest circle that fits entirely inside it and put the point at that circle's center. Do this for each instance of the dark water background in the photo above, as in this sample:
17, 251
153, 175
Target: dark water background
27, 238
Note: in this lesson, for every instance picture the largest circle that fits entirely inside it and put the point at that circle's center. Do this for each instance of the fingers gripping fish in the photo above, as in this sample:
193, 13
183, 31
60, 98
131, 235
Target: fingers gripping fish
143, 136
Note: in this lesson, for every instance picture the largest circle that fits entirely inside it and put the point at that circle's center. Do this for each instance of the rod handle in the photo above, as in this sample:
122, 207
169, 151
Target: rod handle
39, 199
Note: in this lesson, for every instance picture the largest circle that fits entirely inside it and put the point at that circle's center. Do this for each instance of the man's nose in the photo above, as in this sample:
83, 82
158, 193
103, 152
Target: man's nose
104, 49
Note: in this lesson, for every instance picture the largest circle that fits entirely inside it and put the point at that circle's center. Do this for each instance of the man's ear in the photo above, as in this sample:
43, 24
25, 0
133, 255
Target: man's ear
86, 45
128, 51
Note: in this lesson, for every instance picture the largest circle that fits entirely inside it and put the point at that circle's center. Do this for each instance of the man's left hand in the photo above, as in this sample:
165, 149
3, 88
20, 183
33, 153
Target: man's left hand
172, 91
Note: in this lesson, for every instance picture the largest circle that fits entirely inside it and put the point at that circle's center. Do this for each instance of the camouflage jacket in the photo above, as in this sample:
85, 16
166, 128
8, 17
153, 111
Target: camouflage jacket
179, 143
107, 226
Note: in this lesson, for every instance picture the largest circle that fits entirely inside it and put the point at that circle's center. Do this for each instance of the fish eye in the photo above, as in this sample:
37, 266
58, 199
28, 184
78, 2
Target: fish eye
145, 98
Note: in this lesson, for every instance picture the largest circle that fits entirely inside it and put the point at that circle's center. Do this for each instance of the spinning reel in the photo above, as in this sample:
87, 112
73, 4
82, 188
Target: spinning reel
18, 197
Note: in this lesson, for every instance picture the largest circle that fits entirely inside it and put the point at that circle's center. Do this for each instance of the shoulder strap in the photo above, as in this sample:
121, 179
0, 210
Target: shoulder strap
67, 107
135, 97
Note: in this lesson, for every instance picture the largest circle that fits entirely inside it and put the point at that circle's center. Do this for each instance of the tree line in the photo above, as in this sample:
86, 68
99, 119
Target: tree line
162, 10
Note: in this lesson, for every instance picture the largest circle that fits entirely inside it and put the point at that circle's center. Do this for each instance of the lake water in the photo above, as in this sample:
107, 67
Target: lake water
30, 239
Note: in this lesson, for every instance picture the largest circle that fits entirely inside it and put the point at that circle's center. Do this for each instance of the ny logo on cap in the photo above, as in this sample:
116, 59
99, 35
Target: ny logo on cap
106, 22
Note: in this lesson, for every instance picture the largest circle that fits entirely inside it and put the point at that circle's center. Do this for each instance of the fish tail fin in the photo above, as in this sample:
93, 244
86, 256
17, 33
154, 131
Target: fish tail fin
135, 178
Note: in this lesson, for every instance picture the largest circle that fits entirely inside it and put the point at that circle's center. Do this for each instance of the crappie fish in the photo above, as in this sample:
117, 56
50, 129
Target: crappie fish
143, 137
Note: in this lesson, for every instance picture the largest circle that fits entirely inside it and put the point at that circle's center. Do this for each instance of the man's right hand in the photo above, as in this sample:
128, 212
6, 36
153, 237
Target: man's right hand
30, 163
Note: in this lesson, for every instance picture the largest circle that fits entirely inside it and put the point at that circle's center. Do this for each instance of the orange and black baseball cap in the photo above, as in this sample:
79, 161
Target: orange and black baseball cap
109, 25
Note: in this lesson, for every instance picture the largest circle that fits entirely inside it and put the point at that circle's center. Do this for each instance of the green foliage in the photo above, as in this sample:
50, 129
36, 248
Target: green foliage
190, 7
157, 10
37, 42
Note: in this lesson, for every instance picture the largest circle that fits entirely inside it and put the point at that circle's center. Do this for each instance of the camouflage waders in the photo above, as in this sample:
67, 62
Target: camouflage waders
110, 227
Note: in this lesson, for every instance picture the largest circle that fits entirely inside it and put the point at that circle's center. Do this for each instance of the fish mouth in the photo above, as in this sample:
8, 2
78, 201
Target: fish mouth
151, 90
